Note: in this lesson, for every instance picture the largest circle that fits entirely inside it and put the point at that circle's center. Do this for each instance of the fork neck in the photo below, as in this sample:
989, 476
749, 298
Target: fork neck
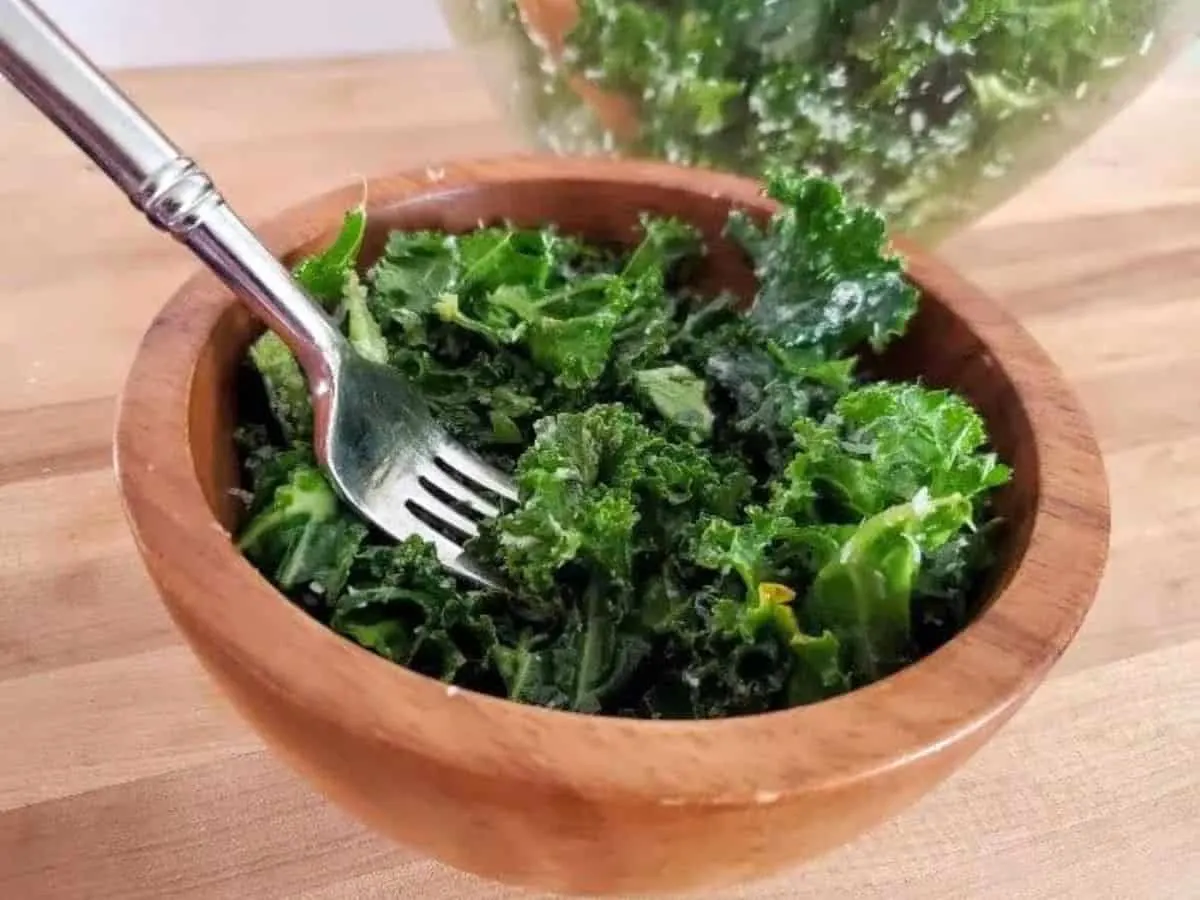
232, 251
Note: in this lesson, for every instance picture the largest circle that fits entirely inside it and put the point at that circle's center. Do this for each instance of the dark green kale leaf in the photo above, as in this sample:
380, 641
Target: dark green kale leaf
416, 269
566, 512
537, 258
769, 388
584, 666
565, 307
677, 66
643, 337
947, 592
706, 669
808, 666
527, 674
401, 603
827, 280
598, 653
731, 657
424, 273
563, 523
573, 330
620, 38
266, 464
897, 468
490, 404
570, 332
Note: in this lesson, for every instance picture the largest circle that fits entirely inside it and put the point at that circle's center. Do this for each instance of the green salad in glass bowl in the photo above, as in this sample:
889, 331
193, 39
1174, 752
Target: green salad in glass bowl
930, 110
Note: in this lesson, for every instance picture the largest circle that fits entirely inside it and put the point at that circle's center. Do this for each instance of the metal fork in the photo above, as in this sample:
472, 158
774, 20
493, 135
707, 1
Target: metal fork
373, 434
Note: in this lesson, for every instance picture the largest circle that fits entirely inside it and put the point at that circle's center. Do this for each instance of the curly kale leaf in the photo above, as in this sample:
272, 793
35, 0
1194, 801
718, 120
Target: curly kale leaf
677, 66
401, 603
489, 403
447, 276
884, 443
598, 655
874, 521
568, 309
726, 657
594, 487
416, 269
769, 389
814, 670
598, 489
741, 549
588, 664
812, 667
826, 278
705, 670
628, 35
946, 595
570, 332
267, 465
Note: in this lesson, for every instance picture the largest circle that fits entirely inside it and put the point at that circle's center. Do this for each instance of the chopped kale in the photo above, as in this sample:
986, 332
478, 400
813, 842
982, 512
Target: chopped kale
913, 106
716, 517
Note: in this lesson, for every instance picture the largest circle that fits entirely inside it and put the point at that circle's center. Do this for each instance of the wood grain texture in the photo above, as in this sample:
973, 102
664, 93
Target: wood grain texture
1089, 792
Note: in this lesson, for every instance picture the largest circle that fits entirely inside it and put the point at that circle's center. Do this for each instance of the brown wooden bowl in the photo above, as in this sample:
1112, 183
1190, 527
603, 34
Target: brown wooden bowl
577, 803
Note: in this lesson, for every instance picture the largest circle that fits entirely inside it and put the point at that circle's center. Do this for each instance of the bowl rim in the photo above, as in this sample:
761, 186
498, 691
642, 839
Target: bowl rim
971, 683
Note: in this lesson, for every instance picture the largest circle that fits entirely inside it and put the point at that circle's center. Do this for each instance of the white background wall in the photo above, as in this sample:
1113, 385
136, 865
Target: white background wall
136, 33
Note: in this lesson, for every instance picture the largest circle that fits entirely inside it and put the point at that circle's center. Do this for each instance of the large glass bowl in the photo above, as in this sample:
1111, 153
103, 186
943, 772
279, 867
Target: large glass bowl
933, 110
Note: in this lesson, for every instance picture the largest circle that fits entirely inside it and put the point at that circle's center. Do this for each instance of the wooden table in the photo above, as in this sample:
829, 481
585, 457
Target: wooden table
122, 774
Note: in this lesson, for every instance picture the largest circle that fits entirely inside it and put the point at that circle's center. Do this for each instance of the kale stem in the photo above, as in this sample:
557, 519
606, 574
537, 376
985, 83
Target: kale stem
594, 611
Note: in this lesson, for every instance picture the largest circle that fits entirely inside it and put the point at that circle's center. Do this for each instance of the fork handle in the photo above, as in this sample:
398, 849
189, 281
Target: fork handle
173, 192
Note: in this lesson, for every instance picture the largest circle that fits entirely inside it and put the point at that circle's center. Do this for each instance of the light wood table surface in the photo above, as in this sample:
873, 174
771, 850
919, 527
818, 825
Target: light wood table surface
123, 774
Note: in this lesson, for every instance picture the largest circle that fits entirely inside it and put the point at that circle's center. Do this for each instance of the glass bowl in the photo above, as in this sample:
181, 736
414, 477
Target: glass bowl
932, 110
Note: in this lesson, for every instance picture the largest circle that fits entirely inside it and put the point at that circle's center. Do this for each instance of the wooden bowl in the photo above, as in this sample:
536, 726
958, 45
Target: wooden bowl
568, 802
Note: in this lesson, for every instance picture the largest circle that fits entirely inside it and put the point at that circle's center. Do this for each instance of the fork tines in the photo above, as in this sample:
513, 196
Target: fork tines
447, 500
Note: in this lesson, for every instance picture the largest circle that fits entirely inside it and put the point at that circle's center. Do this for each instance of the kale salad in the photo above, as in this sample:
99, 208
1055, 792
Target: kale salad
918, 107
718, 515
